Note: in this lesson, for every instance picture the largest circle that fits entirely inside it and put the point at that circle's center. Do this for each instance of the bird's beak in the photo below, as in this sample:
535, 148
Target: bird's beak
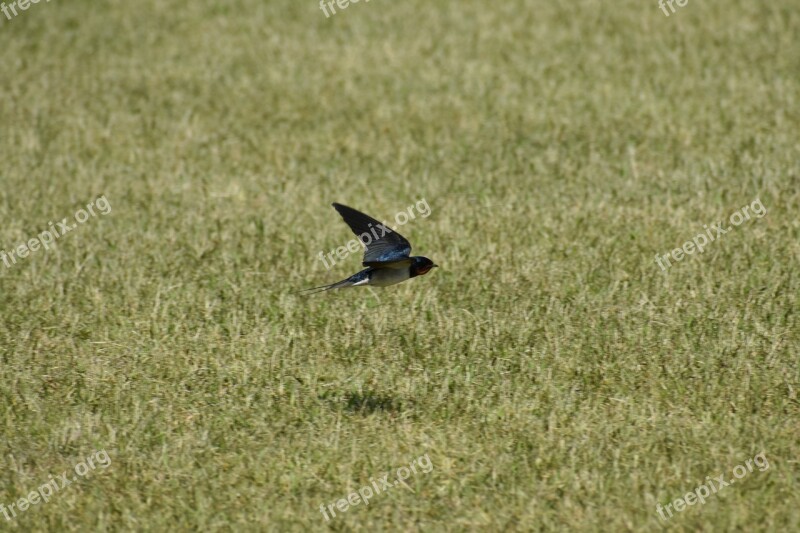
434, 266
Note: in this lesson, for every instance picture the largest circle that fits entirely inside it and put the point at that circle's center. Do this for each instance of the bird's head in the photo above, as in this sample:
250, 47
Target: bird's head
421, 266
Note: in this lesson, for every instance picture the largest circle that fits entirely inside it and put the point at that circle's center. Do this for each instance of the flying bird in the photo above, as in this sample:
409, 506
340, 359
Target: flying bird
386, 254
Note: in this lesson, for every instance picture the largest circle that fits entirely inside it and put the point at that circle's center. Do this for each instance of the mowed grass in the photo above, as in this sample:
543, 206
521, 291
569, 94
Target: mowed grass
554, 375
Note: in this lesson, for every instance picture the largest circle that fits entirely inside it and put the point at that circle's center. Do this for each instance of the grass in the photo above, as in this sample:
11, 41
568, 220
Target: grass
554, 375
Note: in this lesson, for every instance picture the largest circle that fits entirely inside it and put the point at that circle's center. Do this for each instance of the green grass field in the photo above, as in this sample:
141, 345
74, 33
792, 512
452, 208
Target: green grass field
553, 374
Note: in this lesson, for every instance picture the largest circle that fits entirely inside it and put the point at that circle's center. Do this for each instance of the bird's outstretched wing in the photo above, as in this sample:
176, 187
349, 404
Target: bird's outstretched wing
383, 246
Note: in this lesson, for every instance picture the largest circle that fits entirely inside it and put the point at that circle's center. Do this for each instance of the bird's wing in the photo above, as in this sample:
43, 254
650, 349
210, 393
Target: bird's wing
383, 246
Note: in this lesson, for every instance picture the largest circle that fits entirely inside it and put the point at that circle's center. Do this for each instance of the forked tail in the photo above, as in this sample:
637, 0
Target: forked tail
338, 285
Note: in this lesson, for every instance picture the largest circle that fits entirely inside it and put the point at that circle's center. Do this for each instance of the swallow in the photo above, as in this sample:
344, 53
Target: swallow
386, 254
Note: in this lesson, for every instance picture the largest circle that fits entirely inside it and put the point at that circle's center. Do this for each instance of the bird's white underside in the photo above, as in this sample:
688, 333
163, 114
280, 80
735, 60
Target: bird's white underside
387, 276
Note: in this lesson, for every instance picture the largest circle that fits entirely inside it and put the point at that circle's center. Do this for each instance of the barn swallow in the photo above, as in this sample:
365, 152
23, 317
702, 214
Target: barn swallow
386, 254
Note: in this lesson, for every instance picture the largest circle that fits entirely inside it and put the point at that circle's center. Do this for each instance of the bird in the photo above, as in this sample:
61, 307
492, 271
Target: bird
386, 254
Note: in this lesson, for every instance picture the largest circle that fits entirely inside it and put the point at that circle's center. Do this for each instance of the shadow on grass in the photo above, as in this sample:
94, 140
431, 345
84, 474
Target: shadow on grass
366, 402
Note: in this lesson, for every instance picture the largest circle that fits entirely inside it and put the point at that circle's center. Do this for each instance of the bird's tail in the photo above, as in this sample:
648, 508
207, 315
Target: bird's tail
338, 285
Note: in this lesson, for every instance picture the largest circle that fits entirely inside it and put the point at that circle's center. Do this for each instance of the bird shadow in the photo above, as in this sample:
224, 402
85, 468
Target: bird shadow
366, 402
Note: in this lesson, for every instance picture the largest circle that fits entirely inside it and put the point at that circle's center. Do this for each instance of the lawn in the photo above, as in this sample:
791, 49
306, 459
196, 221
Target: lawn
160, 372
